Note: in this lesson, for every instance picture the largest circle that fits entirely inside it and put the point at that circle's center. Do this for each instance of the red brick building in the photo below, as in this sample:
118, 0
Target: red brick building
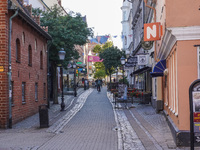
25, 46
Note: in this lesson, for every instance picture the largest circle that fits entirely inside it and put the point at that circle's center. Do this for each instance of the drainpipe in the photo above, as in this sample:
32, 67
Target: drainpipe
154, 11
9, 69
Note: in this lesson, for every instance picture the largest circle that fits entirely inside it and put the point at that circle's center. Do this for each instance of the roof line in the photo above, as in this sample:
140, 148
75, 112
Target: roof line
45, 4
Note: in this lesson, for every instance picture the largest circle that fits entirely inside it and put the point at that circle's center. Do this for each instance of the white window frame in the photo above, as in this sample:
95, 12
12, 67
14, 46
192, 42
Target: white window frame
173, 91
198, 61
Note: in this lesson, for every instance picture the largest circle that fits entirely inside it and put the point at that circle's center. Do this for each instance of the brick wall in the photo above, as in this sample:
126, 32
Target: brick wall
3, 62
30, 74
21, 71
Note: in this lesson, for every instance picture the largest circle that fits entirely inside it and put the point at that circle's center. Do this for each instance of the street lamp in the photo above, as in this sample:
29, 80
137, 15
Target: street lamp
61, 54
123, 63
74, 66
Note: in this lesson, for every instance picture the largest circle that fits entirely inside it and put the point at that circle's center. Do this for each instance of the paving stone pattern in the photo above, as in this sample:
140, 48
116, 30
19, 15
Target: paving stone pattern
90, 129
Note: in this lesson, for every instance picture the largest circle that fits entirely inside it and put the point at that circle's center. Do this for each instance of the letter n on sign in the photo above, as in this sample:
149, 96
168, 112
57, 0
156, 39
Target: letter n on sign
152, 31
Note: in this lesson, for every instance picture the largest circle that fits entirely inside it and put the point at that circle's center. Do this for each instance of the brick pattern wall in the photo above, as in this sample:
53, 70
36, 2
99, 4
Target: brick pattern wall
21, 71
30, 74
3, 62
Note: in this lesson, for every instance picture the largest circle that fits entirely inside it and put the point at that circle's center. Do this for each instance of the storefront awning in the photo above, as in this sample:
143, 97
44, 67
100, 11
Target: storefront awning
145, 69
159, 69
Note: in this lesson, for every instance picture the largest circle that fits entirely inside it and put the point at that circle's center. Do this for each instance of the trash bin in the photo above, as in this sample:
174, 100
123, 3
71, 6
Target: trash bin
44, 116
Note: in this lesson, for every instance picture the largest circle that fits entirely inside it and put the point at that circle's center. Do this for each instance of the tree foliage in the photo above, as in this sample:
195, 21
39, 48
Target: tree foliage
66, 32
111, 59
99, 74
99, 66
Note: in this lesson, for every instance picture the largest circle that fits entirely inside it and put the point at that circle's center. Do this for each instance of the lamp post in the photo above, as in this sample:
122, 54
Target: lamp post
61, 54
74, 66
123, 63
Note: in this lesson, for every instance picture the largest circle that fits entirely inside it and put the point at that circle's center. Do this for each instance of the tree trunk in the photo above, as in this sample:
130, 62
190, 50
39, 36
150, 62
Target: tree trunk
55, 83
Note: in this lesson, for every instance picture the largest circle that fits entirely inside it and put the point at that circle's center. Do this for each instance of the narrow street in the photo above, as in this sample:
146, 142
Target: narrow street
91, 123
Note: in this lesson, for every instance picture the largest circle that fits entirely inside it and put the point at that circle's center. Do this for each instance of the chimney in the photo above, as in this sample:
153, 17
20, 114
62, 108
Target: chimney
36, 19
44, 28
29, 9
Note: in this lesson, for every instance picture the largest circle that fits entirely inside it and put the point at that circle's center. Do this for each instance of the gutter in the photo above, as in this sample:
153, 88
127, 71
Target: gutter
10, 69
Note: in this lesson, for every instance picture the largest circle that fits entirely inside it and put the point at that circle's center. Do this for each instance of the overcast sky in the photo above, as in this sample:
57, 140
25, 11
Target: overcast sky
104, 15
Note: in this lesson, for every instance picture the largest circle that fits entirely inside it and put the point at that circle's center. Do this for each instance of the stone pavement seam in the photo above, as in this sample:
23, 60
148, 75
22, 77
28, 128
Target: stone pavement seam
58, 126
147, 133
130, 140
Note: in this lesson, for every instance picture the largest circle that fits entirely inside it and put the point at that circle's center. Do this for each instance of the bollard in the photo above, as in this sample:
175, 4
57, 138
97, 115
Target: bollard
43, 116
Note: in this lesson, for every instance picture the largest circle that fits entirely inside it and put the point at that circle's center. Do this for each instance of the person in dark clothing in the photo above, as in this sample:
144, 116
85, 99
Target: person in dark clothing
98, 83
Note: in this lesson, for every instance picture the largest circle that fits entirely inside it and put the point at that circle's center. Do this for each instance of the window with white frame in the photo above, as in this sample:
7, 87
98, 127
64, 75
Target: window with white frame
173, 91
26, 2
124, 15
198, 55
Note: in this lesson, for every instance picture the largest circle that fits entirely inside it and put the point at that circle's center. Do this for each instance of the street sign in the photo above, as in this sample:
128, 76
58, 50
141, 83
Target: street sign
152, 31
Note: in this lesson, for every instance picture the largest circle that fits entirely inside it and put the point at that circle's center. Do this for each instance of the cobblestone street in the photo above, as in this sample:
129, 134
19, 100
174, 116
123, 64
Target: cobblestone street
90, 122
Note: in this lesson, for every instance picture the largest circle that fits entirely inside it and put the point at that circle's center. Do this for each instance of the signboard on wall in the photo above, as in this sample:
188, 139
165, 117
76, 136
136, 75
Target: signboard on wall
142, 59
152, 31
194, 99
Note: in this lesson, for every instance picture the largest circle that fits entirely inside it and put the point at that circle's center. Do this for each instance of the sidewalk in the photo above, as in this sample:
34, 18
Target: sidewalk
140, 127
54, 113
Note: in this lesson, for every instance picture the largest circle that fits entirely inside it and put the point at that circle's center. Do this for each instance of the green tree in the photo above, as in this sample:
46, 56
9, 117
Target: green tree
37, 11
66, 32
97, 50
111, 59
99, 74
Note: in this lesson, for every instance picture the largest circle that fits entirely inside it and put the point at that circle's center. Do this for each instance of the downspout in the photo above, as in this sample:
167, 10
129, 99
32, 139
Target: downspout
9, 69
48, 77
154, 12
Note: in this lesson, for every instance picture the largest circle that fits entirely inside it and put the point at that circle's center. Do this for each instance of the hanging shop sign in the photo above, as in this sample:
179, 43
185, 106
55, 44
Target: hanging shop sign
152, 31
94, 59
131, 61
129, 64
142, 59
147, 45
194, 98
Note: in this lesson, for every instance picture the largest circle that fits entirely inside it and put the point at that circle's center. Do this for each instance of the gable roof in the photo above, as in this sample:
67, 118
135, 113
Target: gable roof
24, 14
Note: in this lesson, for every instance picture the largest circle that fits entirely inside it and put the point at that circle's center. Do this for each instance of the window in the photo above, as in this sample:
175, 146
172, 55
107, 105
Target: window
29, 55
26, 2
35, 44
124, 15
41, 60
23, 92
36, 91
44, 91
17, 50
23, 38
125, 40
198, 54
173, 90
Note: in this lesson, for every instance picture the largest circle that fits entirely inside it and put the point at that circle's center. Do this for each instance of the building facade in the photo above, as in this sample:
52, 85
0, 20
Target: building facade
127, 35
24, 60
177, 52
179, 46
138, 65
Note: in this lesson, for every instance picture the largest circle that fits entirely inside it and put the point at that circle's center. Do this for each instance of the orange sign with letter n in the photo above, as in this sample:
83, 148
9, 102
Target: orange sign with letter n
152, 31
